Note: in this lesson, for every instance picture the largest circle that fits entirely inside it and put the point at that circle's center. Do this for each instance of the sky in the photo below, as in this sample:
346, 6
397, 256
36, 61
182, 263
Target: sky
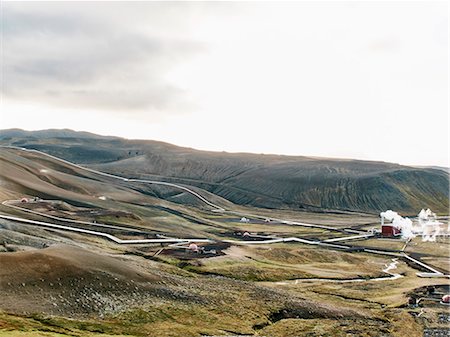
362, 80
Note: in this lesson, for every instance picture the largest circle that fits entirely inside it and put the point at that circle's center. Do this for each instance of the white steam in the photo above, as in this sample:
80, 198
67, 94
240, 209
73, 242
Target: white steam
430, 227
405, 225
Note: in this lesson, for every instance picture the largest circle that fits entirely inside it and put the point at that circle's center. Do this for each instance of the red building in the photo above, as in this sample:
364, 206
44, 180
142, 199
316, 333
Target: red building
388, 230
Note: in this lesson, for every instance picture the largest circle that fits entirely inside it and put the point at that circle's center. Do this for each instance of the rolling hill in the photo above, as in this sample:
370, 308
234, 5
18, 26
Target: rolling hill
72, 282
268, 181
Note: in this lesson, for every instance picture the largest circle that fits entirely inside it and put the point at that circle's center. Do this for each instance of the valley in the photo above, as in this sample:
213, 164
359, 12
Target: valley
115, 249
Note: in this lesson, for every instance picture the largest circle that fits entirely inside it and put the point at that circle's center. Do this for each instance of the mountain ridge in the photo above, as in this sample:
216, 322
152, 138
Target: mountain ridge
268, 181
70, 133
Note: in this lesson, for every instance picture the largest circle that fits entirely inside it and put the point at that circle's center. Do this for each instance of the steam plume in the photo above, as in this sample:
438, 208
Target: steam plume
430, 227
405, 225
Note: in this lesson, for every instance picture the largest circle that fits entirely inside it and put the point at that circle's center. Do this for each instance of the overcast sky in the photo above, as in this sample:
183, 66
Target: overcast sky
365, 80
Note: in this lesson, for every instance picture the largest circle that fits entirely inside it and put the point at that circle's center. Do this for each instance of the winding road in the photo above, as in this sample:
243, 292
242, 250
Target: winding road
392, 276
101, 234
154, 182
326, 243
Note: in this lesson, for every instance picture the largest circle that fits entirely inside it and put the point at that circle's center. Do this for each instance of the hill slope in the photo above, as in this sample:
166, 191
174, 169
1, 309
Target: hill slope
248, 179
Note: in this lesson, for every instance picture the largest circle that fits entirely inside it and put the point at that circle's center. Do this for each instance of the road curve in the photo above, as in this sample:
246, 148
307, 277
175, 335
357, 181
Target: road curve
154, 182
386, 270
433, 273
216, 208
101, 234
9, 203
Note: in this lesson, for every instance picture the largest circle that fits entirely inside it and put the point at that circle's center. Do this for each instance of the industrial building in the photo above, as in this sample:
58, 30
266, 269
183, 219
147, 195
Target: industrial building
388, 229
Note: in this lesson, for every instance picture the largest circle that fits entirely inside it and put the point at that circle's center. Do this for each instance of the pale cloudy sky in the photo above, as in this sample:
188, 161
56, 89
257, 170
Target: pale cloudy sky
366, 80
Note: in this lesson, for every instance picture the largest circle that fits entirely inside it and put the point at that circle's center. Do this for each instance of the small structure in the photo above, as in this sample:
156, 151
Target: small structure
245, 220
374, 230
246, 235
24, 200
267, 220
388, 229
193, 248
445, 299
